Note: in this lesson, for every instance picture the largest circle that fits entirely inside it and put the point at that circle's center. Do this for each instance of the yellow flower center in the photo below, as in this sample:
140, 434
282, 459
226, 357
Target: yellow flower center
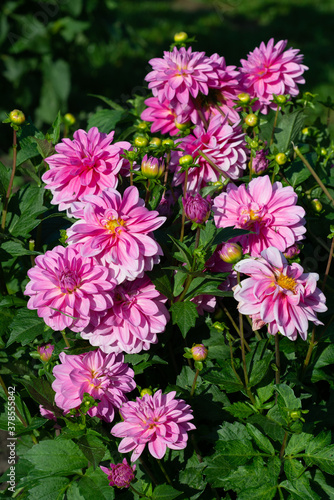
253, 215
112, 224
286, 282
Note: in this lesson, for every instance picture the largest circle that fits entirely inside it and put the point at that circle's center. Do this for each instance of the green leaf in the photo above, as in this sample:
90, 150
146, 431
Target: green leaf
225, 377
296, 173
50, 488
165, 492
201, 285
288, 128
324, 458
45, 147
297, 443
184, 256
15, 249
27, 153
261, 441
162, 281
226, 233
105, 120
287, 400
192, 474
4, 179
325, 358
25, 327
179, 279
94, 485
270, 427
56, 457
240, 409
93, 449
266, 491
108, 101
258, 362
41, 391
184, 314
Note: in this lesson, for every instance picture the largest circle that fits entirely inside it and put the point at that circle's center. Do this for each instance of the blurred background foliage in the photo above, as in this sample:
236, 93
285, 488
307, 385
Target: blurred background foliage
55, 53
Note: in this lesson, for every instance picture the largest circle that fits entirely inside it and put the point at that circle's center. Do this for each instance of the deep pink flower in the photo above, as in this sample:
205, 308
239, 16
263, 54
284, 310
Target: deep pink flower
269, 211
163, 116
117, 232
104, 376
66, 288
282, 296
260, 162
270, 70
120, 475
292, 252
47, 413
159, 420
204, 303
133, 322
86, 165
181, 75
222, 143
197, 209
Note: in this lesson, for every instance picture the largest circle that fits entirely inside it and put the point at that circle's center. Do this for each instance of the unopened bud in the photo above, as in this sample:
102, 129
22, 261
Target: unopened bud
152, 168
251, 120
141, 142
69, 119
146, 391
186, 160
17, 117
197, 208
316, 205
155, 142
281, 158
199, 352
180, 37
231, 253
45, 351
182, 126
244, 97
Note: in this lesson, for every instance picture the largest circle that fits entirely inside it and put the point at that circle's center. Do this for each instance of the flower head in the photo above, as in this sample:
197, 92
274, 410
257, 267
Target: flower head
87, 165
132, 324
197, 208
163, 116
260, 162
269, 211
222, 144
120, 475
231, 253
270, 69
181, 75
159, 420
66, 288
117, 232
280, 295
151, 167
45, 351
104, 376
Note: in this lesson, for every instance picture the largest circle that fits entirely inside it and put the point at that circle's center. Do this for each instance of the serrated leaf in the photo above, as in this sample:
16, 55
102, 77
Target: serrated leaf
105, 119
162, 281
288, 128
25, 327
179, 279
27, 153
56, 457
240, 409
258, 362
296, 173
185, 255
184, 314
93, 449
165, 492
266, 491
108, 101
297, 443
260, 439
4, 179
41, 391
324, 459
50, 488
226, 233
225, 377
94, 485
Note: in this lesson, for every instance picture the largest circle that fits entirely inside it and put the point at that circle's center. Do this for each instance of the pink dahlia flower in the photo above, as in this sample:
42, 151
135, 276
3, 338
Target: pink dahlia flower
181, 75
282, 296
159, 420
117, 232
120, 475
66, 288
270, 70
87, 165
104, 376
222, 143
269, 211
133, 322
163, 116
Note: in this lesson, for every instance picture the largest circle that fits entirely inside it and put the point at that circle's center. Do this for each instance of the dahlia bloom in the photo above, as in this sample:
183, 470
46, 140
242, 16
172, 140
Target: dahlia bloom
104, 376
159, 420
117, 232
181, 75
269, 211
280, 295
270, 70
120, 475
66, 288
86, 165
197, 209
222, 143
163, 116
133, 322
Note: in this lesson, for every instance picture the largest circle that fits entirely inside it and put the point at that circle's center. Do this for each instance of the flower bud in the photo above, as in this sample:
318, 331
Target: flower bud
197, 208
244, 97
306, 131
281, 158
259, 162
323, 151
316, 205
182, 126
251, 120
141, 142
152, 168
17, 117
146, 391
199, 352
186, 160
120, 475
231, 253
45, 351
69, 119
292, 252
142, 126
155, 142
168, 142
180, 37
281, 99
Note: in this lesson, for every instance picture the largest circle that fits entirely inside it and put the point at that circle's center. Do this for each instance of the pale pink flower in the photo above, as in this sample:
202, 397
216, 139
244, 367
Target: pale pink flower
117, 232
133, 322
120, 475
66, 288
159, 420
269, 211
280, 295
105, 377
86, 165
270, 69
181, 75
222, 143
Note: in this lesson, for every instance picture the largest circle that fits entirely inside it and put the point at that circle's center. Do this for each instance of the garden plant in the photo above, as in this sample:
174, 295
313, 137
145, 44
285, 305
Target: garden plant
166, 296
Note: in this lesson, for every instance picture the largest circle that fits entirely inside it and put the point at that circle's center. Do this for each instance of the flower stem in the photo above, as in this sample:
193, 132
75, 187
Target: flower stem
131, 172
309, 352
65, 338
183, 210
10, 185
315, 175
330, 257
232, 360
194, 383
226, 311
148, 192
167, 167
148, 471
278, 360
137, 492
281, 453
243, 355
274, 126
164, 471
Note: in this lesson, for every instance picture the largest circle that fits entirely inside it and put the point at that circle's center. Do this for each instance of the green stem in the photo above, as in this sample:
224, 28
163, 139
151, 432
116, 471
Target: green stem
194, 383
274, 126
167, 167
190, 278
183, 210
309, 352
137, 492
148, 192
232, 360
65, 338
148, 471
131, 172
10, 185
278, 360
243, 355
281, 453
315, 175
330, 257
226, 311
164, 472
